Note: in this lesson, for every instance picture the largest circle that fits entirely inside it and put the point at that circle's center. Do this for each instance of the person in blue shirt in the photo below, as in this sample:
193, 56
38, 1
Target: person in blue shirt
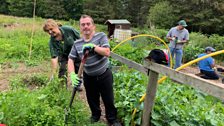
206, 65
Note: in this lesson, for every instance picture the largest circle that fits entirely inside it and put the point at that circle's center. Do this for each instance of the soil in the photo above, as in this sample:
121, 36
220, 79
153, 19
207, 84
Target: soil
7, 71
194, 70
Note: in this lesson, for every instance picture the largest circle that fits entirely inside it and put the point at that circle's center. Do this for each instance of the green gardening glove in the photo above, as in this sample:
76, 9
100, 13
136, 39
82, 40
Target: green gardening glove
75, 79
89, 46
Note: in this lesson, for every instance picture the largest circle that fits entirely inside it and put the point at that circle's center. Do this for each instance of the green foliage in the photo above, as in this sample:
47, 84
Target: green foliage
161, 15
101, 12
52, 9
32, 81
133, 53
4, 7
74, 8
191, 53
45, 106
186, 107
129, 85
204, 16
160, 33
175, 104
198, 42
21, 8
17, 44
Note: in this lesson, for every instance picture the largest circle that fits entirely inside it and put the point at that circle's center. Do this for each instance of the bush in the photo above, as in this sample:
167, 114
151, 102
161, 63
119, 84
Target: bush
198, 42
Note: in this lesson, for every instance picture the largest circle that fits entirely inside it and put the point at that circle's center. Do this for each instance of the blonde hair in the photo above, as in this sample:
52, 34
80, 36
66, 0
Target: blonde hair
50, 23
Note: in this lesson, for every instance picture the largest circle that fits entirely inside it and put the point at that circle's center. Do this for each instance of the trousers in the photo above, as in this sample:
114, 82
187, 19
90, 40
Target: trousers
97, 86
178, 57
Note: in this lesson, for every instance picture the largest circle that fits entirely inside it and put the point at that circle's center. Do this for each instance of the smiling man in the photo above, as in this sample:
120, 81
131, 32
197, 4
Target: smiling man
98, 79
61, 41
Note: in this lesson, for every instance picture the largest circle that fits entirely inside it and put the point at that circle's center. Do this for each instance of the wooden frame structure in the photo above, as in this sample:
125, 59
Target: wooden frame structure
153, 70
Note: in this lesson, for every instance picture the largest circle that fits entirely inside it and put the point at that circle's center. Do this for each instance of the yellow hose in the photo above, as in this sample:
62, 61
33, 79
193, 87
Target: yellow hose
141, 35
160, 80
179, 68
164, 77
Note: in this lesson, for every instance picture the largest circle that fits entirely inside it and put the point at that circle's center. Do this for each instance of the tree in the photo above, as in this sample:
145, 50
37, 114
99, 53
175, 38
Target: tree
100, 10
161, 15
4, 7
21, 8
74, 8
52, 9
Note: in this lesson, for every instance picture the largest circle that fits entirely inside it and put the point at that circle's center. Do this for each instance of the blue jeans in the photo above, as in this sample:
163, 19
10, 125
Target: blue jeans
178, 56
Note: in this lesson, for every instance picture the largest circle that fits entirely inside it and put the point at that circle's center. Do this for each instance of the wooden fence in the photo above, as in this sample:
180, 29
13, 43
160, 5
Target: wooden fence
153, 70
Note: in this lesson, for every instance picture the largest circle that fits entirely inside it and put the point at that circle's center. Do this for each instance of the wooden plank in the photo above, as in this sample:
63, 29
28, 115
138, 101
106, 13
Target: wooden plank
130, 63
206, 86
150, 97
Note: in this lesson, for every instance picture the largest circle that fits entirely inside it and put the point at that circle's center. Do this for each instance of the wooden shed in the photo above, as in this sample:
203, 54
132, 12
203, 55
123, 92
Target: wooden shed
117, 24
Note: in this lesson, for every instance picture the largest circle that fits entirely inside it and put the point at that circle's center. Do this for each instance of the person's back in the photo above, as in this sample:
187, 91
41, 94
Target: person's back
206, 65
158, 56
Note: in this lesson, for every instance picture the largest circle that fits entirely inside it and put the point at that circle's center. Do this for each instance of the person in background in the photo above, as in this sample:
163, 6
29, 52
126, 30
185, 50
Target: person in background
61, 41
98, 79
158, 56
177, 37
206, 65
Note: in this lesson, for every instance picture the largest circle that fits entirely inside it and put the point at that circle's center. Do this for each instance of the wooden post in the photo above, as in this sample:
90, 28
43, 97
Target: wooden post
150, 96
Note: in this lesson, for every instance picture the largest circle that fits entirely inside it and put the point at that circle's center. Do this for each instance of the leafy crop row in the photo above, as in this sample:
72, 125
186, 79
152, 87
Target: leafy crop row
175, 104
40, 106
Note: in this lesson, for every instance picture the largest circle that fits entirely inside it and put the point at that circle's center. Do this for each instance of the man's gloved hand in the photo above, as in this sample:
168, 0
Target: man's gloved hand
75, 79
89, 46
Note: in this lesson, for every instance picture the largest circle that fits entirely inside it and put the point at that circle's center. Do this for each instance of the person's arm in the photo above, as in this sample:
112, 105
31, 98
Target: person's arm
104, 51
185, 39
54, 65
213, 63
71, 67
72, 76
104, 47
182, 41
54, 58
169, 35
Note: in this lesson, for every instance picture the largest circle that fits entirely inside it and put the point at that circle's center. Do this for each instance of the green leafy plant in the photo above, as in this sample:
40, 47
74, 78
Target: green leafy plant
44, 106
174, 105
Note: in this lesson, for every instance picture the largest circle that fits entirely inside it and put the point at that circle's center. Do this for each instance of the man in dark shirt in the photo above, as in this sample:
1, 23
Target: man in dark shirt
61, 41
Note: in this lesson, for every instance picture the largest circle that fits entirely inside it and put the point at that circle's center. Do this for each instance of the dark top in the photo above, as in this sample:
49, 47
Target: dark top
63, 48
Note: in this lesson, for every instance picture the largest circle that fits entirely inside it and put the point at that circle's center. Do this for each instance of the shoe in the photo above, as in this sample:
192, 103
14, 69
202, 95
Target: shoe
94, 120
116, 123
